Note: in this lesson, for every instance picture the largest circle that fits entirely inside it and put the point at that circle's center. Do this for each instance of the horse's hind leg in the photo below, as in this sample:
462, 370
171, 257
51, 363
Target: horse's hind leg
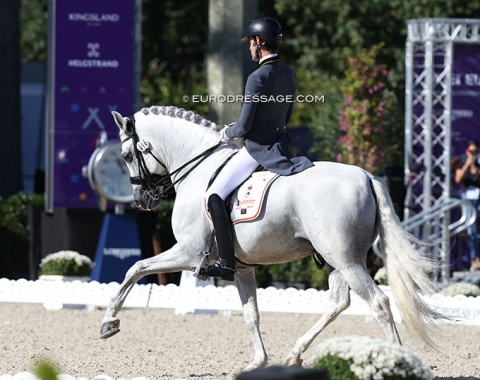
247, 289
360, 281
339, 300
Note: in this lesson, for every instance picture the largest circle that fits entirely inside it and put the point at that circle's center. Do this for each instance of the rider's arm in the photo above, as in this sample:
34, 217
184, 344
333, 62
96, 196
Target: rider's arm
251, 100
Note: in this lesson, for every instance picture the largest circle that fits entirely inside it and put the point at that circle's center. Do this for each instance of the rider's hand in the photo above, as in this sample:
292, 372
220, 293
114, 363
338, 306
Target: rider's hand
223, 136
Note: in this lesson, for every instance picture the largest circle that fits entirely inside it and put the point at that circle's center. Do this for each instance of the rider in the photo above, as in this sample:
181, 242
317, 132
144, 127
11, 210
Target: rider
266, 111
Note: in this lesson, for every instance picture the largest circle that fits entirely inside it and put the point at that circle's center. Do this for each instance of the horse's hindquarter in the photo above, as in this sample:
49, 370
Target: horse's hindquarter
327, 208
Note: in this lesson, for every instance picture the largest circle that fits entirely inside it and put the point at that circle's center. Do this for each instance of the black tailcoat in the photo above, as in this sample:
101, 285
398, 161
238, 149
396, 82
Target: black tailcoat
266, 111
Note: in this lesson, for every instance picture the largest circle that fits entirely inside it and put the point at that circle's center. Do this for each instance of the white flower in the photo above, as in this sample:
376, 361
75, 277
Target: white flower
463, 288
381, 276
67, 255
66, 263
375, 358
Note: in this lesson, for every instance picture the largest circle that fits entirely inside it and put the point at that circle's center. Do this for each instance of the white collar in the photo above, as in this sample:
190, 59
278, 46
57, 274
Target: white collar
267, 56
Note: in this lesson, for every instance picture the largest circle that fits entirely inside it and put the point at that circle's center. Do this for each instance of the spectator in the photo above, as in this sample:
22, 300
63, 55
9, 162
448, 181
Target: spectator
467, 174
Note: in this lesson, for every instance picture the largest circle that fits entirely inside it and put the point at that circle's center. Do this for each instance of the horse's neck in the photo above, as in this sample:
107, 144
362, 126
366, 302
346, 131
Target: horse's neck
180, 141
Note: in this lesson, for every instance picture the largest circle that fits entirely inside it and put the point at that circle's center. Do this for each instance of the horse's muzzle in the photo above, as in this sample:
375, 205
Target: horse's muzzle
147, 200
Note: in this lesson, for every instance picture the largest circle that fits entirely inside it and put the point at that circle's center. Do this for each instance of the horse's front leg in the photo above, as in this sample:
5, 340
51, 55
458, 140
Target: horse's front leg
172, 260
247, 289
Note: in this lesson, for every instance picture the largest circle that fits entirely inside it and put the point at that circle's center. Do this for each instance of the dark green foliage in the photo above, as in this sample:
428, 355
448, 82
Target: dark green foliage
302, 271
318, 31
45, 370
321, 117
320, 36
338, 368
13, 213
34, 29
14, 233
65, 267
173, 53
371, 132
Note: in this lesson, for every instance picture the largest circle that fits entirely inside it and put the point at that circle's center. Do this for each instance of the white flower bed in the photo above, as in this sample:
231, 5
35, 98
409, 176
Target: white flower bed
67, 256
373, 359
461, 288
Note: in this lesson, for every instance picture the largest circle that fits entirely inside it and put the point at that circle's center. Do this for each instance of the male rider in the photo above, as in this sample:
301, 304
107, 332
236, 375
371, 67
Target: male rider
266, 111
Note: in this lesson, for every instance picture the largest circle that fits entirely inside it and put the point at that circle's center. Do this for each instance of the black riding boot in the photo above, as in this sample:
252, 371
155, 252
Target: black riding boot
224, 268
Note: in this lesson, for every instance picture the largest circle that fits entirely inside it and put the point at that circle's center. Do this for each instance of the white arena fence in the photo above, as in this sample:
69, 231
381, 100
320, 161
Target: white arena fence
194, 296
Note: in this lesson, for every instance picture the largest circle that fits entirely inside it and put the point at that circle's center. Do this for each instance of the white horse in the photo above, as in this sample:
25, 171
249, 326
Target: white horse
331, 209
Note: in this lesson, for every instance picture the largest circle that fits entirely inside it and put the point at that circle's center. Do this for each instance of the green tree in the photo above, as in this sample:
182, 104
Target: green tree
318, 31
319, 36
34, 27
368, 117
320, 116
173, 52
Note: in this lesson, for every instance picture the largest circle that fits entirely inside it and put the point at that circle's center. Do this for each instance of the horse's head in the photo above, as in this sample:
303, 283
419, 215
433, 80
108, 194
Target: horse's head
148, 175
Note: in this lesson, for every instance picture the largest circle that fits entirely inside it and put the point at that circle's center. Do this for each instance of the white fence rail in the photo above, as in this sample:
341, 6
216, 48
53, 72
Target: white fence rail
192, 299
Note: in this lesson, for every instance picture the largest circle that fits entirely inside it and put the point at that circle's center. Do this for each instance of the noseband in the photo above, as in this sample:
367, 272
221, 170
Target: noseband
150, 182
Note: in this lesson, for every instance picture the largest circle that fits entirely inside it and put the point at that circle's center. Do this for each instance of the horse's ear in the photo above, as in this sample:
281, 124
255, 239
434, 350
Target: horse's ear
119, 120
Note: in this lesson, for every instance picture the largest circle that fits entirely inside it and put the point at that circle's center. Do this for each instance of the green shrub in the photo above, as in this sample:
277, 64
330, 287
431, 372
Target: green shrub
263, 277
338, 368
301, 271
14, 233
46, 370
364, 358
13, 213
66, 263
369, 114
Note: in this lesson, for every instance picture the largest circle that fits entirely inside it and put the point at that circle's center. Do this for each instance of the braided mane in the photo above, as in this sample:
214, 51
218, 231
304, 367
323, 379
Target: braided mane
180, 113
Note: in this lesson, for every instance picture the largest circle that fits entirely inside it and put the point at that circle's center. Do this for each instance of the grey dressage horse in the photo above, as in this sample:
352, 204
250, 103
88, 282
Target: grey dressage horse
333, 210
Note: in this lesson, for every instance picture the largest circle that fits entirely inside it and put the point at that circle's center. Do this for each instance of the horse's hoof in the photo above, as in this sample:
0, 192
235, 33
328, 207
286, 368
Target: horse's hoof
294, 362
109, 329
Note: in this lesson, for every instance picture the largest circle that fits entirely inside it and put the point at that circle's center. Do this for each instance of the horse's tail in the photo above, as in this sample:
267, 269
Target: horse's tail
408, 270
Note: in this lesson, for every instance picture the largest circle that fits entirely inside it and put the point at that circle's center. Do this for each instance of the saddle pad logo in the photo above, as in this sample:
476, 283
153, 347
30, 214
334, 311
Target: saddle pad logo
247, 201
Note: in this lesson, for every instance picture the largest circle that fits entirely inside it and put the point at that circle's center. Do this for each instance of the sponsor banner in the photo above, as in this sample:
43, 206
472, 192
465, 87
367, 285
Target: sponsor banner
465, 100
465, 96
91, 73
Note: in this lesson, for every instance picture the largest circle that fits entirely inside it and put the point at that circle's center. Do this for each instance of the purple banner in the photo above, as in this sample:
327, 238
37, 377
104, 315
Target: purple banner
465, 96
465, 100
93, 75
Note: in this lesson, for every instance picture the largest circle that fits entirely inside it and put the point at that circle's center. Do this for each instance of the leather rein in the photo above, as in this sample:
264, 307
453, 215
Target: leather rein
151, 182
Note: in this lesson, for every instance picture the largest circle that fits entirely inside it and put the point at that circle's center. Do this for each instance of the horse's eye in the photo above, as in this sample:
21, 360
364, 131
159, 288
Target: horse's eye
127, 156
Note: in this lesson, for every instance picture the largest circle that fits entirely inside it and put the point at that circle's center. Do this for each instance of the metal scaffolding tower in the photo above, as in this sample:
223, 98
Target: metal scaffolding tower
429, 55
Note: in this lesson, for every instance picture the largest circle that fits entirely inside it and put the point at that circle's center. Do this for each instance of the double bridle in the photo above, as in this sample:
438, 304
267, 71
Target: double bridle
157, 185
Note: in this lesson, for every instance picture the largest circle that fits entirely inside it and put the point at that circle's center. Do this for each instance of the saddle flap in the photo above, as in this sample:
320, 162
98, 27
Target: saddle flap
247, 201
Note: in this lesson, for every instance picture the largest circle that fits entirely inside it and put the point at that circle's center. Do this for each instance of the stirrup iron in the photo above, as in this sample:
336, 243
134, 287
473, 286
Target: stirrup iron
204, 260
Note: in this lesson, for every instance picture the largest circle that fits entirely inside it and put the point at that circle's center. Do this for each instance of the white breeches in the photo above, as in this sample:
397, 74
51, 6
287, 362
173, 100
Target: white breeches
235, 172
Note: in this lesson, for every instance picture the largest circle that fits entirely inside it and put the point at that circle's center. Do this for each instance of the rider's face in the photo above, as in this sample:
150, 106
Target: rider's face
252, 49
